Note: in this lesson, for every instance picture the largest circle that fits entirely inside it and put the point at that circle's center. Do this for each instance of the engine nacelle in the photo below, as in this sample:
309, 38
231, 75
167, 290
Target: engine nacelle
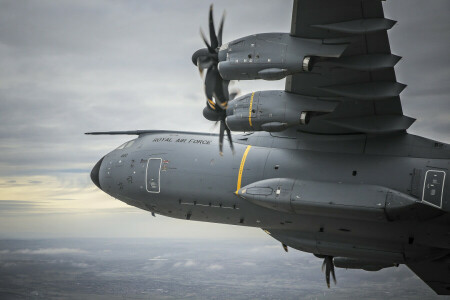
363, 264
273, 111
272, 56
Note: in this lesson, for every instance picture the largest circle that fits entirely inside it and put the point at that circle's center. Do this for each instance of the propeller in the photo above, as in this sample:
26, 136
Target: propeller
328, 267
216, 88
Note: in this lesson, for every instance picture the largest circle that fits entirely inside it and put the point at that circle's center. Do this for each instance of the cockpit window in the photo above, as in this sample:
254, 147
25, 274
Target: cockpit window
130, 143
122, 146
126, 145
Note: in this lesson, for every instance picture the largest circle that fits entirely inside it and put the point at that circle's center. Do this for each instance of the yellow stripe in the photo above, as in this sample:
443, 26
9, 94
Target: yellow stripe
224, 105
211, 104
241, 169
250, 110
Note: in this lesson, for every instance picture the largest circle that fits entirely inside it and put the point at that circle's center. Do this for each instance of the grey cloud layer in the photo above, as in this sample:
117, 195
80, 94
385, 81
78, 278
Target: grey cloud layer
67, 68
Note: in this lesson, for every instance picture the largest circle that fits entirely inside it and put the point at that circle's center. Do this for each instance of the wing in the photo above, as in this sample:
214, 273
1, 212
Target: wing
142, 132
436, 274
362, 79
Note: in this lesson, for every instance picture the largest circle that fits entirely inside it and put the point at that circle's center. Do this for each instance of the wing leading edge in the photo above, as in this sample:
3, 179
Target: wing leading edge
362, 79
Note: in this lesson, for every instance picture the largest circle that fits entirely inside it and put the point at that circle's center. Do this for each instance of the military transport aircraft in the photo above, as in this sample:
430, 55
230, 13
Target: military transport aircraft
325, 166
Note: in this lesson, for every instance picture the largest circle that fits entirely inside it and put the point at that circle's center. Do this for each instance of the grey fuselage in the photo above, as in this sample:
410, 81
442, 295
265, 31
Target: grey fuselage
182, 175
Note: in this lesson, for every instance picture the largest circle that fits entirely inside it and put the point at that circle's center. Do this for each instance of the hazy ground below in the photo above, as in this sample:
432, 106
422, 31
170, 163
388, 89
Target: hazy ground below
185, 269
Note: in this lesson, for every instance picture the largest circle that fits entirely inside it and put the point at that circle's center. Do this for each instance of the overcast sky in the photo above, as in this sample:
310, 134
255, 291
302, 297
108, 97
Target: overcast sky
68, 67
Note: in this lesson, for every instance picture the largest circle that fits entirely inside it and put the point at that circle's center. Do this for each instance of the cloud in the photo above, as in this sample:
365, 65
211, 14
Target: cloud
8, 264
20, 205
215, 267
79, 265
50, 251
187, 264
66, 70
34, 181
157, 258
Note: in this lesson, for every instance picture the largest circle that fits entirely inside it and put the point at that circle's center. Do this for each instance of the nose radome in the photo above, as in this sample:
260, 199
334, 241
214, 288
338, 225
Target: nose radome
95, 173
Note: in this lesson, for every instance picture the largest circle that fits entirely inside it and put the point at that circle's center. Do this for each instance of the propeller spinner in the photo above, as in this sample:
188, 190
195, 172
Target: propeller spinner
216, 88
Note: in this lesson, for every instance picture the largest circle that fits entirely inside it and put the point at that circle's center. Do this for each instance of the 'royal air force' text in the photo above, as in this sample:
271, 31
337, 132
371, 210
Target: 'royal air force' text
186, 141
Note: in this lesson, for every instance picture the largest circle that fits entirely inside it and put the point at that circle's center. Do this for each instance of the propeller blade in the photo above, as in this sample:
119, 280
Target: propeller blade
219, 35
229, 138
212, 31
327, 270
210, 84
225, 93
216, 88
213, 127
221, 91
222, 129
328, 267
202, 34
332, 274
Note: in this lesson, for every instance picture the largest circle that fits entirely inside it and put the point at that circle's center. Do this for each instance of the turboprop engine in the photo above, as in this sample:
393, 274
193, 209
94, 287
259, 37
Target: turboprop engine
272, 56
274, 111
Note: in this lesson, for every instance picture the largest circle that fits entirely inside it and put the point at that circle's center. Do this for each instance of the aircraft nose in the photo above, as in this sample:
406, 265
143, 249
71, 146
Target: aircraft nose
95, 173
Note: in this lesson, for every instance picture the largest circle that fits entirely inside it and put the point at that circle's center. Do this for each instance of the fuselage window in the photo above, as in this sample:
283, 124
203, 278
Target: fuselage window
153, 175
